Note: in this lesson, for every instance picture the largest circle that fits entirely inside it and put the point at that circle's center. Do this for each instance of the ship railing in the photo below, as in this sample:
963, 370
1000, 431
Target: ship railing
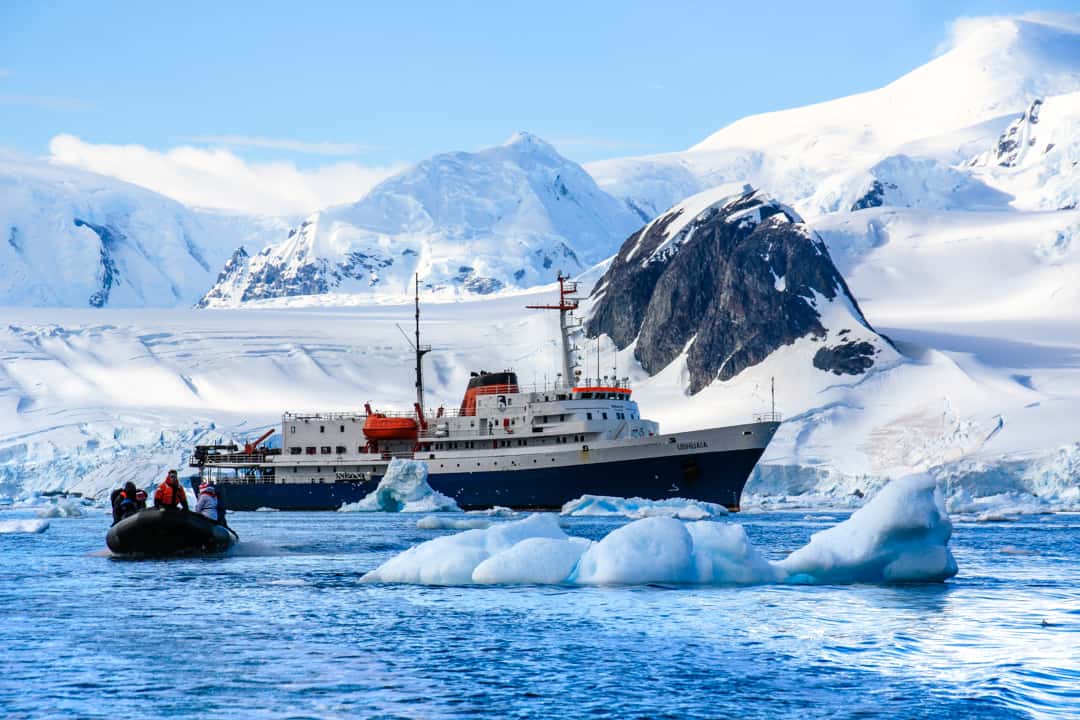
229, 459
771, 416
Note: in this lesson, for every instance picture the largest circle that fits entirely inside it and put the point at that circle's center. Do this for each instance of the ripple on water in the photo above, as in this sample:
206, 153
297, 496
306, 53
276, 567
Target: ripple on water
294, 633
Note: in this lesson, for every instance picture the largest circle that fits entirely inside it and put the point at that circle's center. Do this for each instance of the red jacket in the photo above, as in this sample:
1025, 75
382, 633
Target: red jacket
170, 495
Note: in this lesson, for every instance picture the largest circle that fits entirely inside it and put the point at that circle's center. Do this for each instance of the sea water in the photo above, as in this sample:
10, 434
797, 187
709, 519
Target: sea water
283, 627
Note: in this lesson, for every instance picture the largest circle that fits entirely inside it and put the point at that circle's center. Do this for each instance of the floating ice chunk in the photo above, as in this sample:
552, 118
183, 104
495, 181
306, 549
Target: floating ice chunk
266, 509
535, 560
61, 508
723, 555
651, 550
497, 511
404, 488
900, 535
9, 527
433, 522
451, 559
605, 505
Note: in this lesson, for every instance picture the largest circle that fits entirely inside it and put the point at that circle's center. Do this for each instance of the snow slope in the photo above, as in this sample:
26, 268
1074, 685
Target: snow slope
947, 110
74, 239
469, 223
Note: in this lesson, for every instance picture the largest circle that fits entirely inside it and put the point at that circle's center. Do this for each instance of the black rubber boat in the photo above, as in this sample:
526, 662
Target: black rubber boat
159, 532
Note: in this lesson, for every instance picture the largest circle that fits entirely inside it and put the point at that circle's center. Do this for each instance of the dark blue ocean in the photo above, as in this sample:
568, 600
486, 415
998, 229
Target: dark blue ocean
283, 628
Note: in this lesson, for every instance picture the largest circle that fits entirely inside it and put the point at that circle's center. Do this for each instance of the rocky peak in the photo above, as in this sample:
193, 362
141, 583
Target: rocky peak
728, 280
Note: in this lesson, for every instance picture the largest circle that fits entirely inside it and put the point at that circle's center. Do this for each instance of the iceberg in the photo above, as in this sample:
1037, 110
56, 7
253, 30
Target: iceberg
433, 522
900, 535
10, 527
61, 508
404, 488
606, 505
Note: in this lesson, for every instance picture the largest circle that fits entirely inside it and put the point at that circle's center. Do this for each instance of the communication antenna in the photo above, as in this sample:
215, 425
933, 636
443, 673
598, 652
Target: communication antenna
418, 349
772, 391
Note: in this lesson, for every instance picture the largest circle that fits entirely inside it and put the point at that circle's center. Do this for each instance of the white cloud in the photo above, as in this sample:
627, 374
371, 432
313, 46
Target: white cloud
217, 178
965, 29
300, 146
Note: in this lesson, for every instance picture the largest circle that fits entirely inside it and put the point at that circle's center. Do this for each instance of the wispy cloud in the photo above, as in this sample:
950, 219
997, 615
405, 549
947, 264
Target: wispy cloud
44, 102
298, 146
217, 178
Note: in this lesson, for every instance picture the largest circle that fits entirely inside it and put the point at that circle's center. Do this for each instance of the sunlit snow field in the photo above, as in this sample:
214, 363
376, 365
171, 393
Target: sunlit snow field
283, 627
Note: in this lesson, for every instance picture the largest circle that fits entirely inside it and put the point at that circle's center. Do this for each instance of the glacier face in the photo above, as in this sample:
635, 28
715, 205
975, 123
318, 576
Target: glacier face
510, 216
75, 239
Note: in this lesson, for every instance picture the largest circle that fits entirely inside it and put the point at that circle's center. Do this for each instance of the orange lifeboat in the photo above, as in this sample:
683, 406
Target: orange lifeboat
380, 427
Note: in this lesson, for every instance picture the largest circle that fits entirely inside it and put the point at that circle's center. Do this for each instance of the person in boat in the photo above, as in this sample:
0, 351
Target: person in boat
207, 504
124, 502
140, 499
170, 495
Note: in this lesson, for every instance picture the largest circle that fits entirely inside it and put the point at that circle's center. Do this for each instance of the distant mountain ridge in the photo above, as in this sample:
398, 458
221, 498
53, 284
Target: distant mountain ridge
75, 239
468, 223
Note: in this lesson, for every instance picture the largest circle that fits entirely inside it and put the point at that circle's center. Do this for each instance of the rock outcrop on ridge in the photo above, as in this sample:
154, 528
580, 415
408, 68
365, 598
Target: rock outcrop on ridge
727, 281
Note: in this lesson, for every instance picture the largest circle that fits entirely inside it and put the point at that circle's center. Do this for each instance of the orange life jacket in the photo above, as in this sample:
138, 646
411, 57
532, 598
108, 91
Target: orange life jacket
168, 495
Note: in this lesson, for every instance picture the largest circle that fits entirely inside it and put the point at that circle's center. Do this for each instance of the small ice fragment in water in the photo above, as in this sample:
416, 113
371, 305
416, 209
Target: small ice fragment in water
606, 505
404, 488
433, 522
9, 527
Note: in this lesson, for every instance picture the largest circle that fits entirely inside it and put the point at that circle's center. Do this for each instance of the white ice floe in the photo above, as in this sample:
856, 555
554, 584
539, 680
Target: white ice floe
61, 508
1001, 507
9, 527
266, 509
404, 488
434, 522
606, 505
901, 535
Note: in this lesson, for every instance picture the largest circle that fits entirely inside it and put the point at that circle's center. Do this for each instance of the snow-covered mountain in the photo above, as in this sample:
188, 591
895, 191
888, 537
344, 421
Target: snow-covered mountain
722, 282
76, 239
469, 223
947, 111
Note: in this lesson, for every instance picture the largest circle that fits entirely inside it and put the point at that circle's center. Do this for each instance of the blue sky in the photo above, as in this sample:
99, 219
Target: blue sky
379, 85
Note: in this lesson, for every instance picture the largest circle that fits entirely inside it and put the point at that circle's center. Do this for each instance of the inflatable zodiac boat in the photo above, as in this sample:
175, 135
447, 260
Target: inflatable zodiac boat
159, 532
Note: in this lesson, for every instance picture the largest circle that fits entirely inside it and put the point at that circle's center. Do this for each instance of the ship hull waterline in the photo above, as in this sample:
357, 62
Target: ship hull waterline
717, 477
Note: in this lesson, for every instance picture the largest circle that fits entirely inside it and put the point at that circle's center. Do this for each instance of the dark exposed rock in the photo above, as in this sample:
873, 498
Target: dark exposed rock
851, 358
110, 275
13, 238
874, 197
728, 287
233, 268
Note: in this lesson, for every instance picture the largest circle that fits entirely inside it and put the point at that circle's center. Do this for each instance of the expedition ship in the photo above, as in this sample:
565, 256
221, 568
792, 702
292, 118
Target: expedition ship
520, 447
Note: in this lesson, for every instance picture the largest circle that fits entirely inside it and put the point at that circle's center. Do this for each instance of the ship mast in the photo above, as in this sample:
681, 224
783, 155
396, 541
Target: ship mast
566, 307
421, 351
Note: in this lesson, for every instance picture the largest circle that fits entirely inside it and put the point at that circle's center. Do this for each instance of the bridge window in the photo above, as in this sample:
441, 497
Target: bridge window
295, 450
342, 428
292, 428
605, 416
322, 429
340, 449
311, 450
588, 416
325, 449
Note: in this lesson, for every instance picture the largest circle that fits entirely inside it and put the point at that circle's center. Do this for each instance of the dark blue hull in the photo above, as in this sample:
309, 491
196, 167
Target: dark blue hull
716, 477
